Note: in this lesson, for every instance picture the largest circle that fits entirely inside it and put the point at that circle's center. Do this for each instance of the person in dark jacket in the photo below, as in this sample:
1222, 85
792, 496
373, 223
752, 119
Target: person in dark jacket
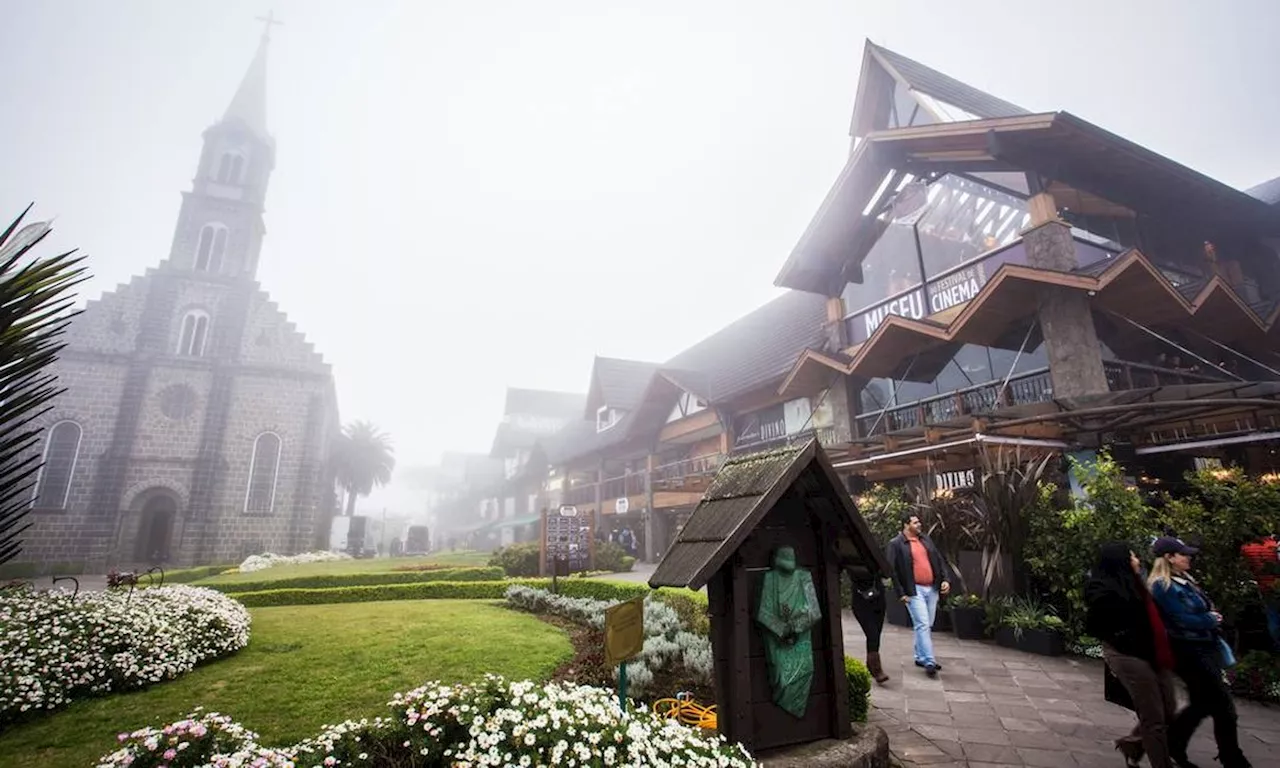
1122, 614
869, 609
920, 578
1194, 633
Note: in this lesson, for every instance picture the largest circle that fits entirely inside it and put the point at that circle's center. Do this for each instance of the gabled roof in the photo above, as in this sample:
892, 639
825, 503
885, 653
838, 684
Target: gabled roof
543, 402
883, 68
617, 383
743, 492
753, 350
1268, 191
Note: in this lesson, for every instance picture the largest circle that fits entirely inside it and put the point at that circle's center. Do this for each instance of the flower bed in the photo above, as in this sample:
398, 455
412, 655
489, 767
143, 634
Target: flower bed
270, 560
495, 722
448, 590
668, 645
55, 649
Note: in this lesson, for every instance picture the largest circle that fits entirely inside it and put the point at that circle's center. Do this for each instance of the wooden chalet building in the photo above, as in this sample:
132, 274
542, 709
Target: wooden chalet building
993, 275
651, 435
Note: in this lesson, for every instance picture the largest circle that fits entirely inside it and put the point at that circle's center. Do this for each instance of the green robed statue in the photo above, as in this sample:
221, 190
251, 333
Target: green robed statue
788, 610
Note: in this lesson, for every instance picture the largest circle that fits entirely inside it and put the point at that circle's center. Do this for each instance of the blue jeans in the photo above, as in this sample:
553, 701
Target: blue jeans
923, 608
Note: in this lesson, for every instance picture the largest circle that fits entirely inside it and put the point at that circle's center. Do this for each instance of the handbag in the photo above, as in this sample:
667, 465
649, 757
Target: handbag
1228, 656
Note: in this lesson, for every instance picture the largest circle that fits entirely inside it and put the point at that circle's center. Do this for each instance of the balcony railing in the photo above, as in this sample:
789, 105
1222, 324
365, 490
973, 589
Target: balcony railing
1032, 387
825, 436
1122, 376
665, 477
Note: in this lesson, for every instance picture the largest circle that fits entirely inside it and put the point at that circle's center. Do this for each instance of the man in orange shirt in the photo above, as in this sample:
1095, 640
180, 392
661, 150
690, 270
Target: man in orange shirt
1263, 558
920, 577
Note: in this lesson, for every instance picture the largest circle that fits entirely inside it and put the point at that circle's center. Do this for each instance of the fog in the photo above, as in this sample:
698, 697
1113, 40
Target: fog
470, 195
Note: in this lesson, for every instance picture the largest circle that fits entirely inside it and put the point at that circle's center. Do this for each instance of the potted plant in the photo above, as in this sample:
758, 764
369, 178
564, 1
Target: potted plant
1029, 626
968, 615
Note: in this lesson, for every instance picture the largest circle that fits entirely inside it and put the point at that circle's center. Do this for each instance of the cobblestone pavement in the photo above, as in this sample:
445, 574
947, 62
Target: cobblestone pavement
993, 706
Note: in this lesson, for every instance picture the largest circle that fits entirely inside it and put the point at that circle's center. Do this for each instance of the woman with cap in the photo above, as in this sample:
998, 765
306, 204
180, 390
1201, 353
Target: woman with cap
1123, 615
1198, 649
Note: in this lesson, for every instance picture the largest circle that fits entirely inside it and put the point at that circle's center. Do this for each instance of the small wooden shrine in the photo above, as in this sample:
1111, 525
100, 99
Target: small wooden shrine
769, 540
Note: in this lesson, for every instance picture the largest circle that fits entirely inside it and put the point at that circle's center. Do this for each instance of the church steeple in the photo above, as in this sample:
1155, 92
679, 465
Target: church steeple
249, 106
220, 227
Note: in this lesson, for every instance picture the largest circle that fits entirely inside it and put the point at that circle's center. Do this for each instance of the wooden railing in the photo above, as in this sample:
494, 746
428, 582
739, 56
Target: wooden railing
666, 476
1031, 387
824, 435
1122, 376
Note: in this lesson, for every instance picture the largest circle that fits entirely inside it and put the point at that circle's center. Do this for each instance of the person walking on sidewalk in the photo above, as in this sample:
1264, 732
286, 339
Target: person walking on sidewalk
869, 609
1139, 658
920, 578
1199, 651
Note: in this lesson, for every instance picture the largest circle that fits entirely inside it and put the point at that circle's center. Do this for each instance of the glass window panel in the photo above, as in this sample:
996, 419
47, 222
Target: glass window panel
966, 219
891, 267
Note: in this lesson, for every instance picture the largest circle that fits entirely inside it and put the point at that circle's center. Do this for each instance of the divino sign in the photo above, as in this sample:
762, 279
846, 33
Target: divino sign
948, 290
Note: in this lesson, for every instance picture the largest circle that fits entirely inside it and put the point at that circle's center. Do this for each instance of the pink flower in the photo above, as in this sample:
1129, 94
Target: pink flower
169, 754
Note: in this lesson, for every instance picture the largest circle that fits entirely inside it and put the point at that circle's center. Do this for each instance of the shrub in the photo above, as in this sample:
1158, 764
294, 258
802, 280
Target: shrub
611, 557
859, 678
690, 606
667, 642
188, 575
518, 560
614, 591
1063, 544
1224, 510
363, 579
494, 722
271, 560
55, 649
1256, 676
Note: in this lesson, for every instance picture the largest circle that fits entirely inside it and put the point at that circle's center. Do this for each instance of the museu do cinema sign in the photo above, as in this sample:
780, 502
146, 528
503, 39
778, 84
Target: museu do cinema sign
950, 289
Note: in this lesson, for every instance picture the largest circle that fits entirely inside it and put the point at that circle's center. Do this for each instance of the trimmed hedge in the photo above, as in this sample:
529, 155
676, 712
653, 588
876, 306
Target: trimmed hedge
438, 590
326, 581
859, 678
188, 575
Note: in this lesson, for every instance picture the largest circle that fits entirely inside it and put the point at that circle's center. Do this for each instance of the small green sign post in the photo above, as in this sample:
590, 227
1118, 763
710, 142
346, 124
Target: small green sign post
623, 640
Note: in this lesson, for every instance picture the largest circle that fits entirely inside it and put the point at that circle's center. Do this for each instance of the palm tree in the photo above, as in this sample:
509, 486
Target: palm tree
35, 305
362, 459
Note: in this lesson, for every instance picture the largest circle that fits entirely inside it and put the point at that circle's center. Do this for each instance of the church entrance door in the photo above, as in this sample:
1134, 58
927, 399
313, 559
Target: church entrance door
155, 530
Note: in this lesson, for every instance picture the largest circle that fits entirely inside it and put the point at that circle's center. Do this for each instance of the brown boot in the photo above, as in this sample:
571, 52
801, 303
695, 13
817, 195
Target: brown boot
875, 668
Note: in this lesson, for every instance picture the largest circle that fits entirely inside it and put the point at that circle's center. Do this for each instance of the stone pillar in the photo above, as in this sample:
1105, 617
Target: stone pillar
843, 408
1070, 338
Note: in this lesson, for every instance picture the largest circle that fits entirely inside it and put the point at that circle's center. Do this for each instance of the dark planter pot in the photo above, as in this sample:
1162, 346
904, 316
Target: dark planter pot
1042, 641
969, 622
897, 614
942, 621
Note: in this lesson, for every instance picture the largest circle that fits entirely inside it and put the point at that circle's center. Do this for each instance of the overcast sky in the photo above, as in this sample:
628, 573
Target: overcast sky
472, 194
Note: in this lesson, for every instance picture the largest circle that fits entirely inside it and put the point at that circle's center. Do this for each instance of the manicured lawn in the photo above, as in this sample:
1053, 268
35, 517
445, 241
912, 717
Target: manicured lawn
372, 565
305, 667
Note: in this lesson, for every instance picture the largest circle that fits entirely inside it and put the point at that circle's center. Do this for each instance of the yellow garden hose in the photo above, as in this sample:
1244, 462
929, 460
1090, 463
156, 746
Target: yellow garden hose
686, 710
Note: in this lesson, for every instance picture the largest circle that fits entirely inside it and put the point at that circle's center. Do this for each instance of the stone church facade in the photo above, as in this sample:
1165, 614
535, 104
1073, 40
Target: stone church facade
196, 419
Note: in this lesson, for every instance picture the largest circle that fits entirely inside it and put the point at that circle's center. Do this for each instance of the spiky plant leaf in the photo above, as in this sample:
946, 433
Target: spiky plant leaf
35, 309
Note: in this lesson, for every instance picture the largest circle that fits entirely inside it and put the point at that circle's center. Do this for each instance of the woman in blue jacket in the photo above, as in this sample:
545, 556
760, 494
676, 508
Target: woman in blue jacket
1193, 627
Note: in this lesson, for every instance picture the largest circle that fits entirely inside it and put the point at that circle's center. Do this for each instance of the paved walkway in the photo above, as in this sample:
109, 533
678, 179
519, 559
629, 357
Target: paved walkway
992, 706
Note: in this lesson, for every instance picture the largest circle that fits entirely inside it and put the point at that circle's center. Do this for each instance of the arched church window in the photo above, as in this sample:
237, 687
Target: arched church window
194, 333
264, 467
229, 168
61, 449
211, 248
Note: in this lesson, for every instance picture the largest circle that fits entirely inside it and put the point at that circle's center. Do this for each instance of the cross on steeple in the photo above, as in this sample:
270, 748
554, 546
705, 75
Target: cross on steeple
268, 22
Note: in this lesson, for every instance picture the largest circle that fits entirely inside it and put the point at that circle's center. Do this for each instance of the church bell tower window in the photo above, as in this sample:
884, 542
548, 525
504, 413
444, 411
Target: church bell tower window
195, 331
211, 248
229, 168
